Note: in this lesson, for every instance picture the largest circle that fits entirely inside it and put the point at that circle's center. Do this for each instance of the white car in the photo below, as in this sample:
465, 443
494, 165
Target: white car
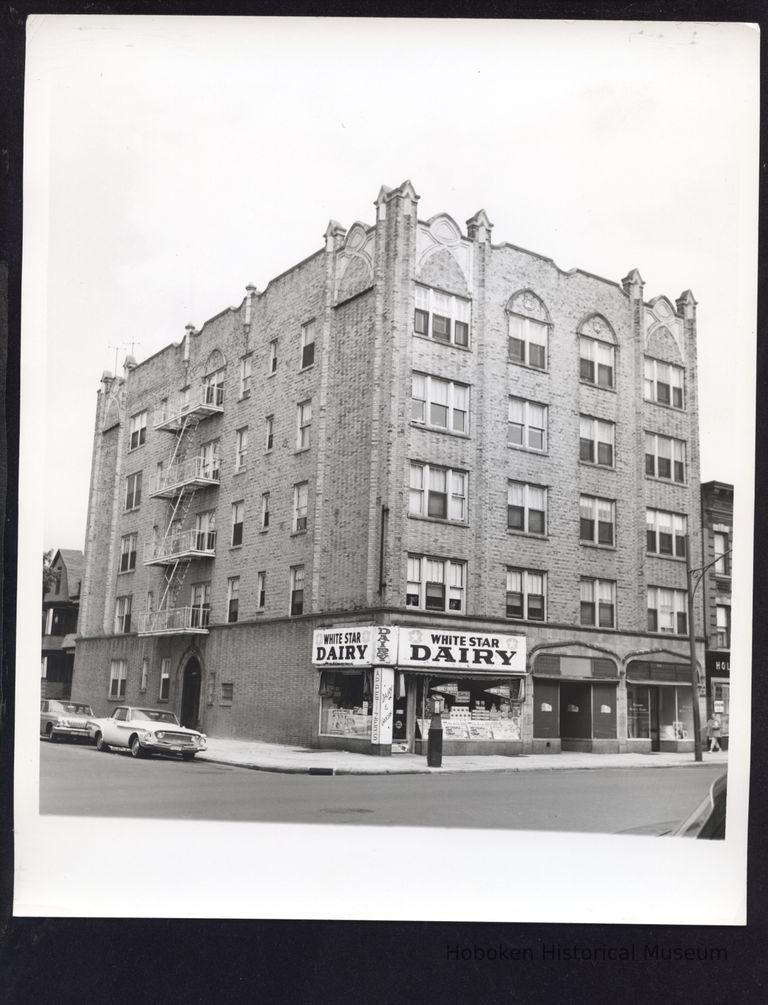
146, 731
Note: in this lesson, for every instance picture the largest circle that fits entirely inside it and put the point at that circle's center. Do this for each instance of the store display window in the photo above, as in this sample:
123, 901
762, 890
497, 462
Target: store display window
638, 712
675, 713
472, 709
345, 704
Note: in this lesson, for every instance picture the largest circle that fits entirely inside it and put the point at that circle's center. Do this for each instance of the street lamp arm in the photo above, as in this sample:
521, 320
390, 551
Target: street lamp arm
700, 572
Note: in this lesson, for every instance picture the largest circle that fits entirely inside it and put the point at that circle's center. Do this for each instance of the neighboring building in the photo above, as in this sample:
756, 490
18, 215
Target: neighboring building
717, 534
477, 473
60, 605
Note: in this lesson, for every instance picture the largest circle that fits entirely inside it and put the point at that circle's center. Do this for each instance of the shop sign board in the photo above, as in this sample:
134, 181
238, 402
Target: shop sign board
470, 652
383, 705
355, 646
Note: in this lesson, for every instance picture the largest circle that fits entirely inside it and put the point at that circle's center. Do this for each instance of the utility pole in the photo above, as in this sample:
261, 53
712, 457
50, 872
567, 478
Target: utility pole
692, 587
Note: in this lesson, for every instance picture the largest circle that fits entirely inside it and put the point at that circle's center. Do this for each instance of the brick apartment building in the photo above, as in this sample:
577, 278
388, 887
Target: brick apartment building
717, 533
417, 464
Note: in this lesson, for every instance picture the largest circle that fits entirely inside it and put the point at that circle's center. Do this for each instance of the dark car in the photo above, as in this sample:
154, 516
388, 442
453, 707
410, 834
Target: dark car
706, 822
64, 718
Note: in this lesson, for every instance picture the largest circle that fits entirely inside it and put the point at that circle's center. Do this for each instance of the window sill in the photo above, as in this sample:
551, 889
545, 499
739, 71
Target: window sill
163, 701
527, 534
124, 572
268, 450
526, 366
665, 481
598, 387
668, 408
244, 397
299, 533
665, 558
447, 345
597, 547
264, 530
439, 429
272, 374
599, 467
303, 369
235, 547
117, 701
437, 519
240, 471
302, 450
433, 610
528, 450
132, 509
132, 450
598, 628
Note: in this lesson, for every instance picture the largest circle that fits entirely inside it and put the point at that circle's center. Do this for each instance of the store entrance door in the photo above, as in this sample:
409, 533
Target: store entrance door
654, 718
576, 711
190, 694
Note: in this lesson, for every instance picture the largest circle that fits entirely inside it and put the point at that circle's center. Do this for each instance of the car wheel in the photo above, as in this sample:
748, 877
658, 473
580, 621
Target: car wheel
48, 730
136, 750
188, 757
101, 745
53, 737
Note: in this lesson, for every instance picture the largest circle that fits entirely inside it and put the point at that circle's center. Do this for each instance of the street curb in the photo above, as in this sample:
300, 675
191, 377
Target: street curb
328, 772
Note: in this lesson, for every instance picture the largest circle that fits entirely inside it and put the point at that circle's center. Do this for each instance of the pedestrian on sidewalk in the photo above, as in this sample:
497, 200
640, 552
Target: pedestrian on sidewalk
713, 733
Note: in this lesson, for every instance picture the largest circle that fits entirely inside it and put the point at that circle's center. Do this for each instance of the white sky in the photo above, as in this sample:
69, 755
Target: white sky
188, 157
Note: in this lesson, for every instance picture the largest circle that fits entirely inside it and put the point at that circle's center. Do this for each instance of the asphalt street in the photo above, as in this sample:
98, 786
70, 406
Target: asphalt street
77, 779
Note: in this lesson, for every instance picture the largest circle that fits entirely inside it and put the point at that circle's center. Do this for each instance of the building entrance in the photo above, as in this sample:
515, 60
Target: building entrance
190, 694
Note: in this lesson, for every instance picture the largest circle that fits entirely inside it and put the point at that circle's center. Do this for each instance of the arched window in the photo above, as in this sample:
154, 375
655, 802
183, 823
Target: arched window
528, 326
597, 352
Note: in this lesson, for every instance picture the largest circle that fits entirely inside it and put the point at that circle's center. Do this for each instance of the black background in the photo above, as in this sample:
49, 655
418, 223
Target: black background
89, 960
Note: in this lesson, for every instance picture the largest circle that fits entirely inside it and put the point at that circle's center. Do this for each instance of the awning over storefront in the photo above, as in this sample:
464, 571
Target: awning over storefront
646, 672
575, 667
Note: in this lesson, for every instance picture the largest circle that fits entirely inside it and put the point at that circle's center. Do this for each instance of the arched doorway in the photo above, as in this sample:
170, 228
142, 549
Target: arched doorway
190, 694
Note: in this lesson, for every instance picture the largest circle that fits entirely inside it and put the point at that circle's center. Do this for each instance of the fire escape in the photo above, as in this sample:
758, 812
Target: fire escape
188, 470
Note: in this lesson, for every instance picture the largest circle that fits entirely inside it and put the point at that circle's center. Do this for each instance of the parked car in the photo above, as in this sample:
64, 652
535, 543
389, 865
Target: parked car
64, 718
706, 822
146, 731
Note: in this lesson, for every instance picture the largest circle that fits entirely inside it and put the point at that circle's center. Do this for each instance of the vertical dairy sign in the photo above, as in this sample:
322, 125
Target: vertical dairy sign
383, 705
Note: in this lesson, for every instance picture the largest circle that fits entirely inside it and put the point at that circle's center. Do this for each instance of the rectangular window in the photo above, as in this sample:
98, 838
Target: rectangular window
201, 604
526, 594
205, 530
667, 610
227, 693
596, 441
722, 565
213, 388
233, 593
269, 431
443, 317
526, 508
440, 493
272, 365
596, 361
300, 497
123, 615
264, 510
133, 491
241, 448
663, 383
436, 584
527, 342
597, 520
598, 603
261, 590
210, 464
297, 589
165, 680
150, 601
307, 345
144, 675
304, 424
246, 372
665, 533
238, 512
527, 424
128, 553
440, 404
118, 672
665, 457
138, 430
723, 615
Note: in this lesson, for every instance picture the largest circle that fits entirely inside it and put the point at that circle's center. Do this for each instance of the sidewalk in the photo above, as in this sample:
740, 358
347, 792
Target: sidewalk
307, 761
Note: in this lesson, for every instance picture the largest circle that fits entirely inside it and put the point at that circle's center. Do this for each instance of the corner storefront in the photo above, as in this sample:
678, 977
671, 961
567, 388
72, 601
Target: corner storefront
377, 685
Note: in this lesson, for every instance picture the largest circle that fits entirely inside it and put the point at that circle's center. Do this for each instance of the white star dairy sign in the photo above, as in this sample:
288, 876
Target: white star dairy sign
428, 648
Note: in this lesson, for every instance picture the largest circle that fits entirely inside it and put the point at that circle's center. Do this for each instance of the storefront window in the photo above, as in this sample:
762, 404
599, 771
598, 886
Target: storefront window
472, 709
638, 712
675, 713
345, 704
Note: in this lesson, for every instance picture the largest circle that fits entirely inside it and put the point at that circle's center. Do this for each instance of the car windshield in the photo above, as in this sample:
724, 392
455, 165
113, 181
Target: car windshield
155, 715
70, 707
